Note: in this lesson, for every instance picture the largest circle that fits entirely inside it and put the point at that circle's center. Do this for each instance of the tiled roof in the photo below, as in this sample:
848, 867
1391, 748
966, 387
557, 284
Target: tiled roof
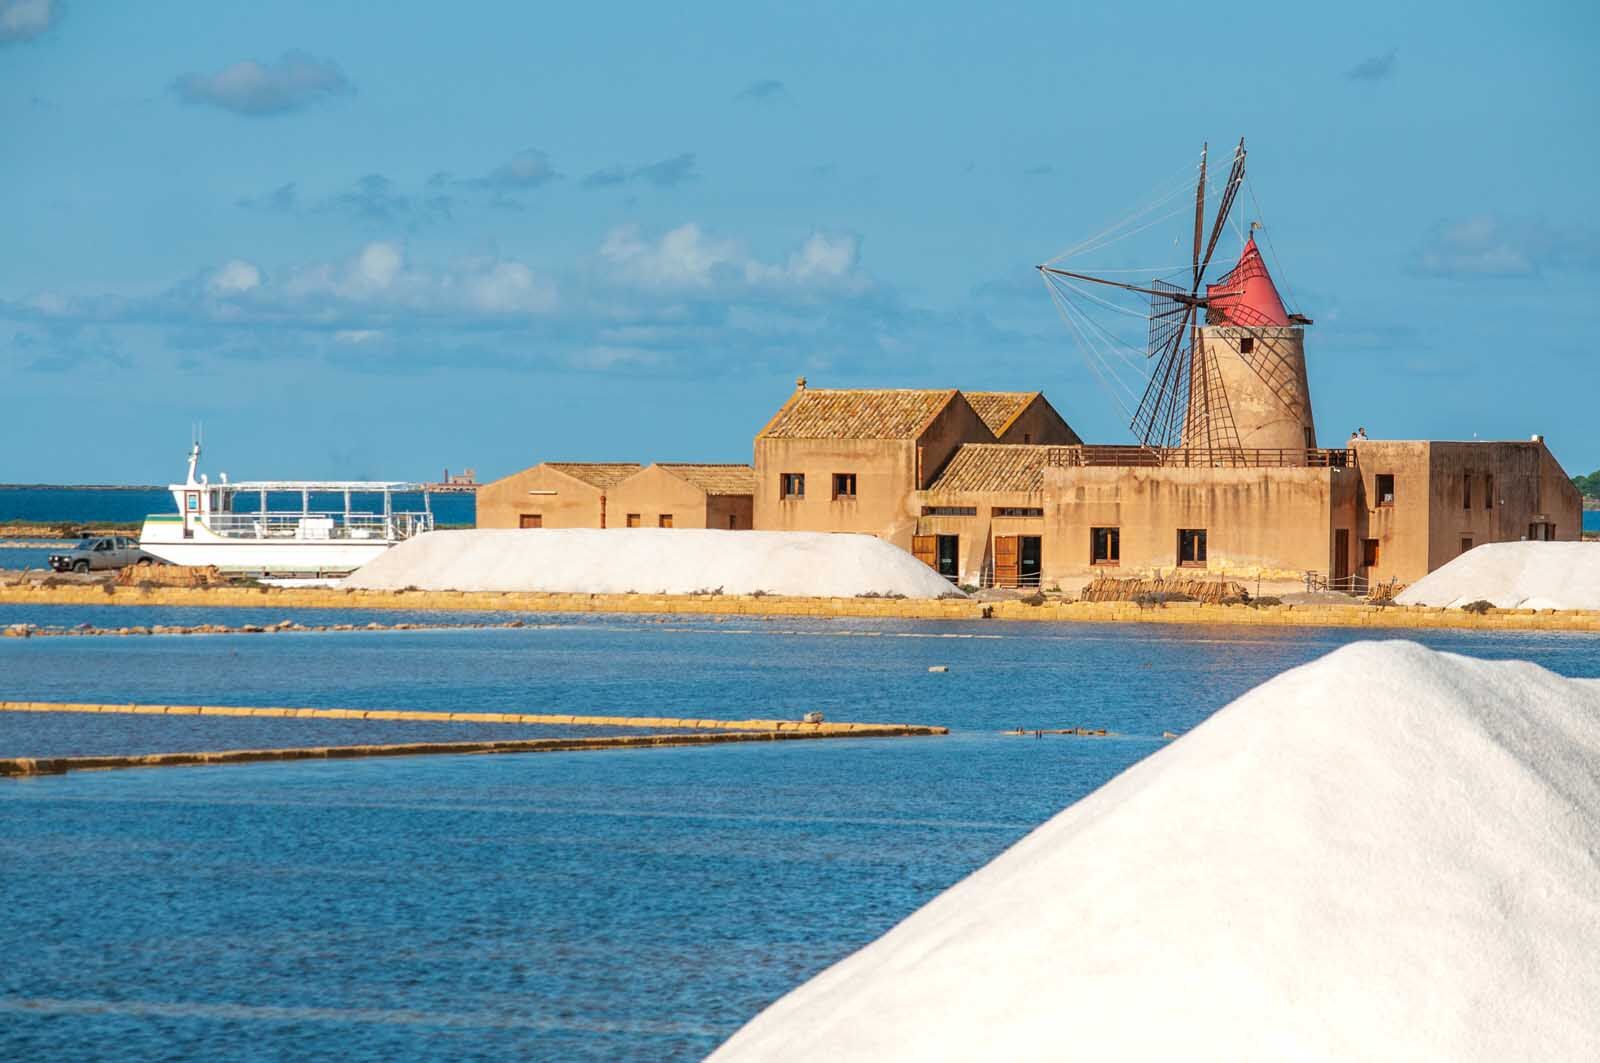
850, 413
715, 479
998, 408
993, 467
601, 474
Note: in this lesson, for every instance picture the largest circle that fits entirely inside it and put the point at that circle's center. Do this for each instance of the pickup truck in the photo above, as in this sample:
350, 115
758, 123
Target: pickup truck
102, 552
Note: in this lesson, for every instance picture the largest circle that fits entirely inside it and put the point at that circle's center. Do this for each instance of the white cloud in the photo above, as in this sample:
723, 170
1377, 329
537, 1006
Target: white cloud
529, 168
664, 300
356, 336
1491, 246
686, 258
23, 20
682, 258
50, 304
234, 278
254, 89
378, 279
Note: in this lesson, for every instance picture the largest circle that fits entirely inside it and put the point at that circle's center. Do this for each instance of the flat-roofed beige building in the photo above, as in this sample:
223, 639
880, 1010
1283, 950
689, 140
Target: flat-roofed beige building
1423, 503
1380, 511
686, 495
553, 494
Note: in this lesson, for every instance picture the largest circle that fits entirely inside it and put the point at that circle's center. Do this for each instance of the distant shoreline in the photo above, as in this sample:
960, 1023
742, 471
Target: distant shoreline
81, 487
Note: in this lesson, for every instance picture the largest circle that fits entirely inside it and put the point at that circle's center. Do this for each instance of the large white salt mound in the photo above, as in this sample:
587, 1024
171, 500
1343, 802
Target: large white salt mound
1525, 575
651, 561
1389, 853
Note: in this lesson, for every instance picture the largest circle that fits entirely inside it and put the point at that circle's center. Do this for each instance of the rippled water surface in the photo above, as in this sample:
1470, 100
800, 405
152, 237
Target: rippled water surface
635, 904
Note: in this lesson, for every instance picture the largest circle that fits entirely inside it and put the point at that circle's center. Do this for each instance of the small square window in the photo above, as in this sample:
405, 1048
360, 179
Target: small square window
633, 520
1105, 546
1192, 547
664, 521
844, 485
1369, 553
1384, 484
1247, 344
792, 485
1466, 544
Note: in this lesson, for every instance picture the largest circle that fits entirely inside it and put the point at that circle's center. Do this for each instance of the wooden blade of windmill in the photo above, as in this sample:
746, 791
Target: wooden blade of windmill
1199, 215
1166, 391
1224, 207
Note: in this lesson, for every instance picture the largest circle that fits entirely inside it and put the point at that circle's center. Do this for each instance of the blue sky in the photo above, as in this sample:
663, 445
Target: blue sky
376, 240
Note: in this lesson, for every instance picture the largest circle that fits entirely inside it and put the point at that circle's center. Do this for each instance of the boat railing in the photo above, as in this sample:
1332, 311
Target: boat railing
320, 525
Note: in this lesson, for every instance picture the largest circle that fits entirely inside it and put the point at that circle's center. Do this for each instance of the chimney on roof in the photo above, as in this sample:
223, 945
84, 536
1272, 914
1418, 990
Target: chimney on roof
800, 382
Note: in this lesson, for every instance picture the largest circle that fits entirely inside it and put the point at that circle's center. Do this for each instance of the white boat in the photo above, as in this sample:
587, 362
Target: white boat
215, 525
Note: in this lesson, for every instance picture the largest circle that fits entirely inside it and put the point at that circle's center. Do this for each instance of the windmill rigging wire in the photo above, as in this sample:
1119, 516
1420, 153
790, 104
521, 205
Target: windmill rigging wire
1108, 304
1156, 204
1277, 265
1095, 359
1085, 249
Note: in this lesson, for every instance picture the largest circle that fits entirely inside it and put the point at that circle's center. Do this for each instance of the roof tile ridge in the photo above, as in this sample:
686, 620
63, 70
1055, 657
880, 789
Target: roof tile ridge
790, 401
949, 396
1029, 398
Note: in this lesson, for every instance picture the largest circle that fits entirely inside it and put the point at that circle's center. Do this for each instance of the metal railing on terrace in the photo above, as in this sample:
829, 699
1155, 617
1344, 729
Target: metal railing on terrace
1188, 458
333, 525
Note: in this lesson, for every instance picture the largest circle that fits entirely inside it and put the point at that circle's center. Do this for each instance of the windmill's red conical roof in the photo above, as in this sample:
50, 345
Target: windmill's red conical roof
1247, 296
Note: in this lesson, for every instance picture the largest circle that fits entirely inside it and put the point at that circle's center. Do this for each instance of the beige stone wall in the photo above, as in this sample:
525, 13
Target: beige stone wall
1428, 521
956, 424
885, 471
1258, 522
573, 503
1271, 411
652, 493
1560, 498
730, 512
1040, 423
977, 532
1401, 529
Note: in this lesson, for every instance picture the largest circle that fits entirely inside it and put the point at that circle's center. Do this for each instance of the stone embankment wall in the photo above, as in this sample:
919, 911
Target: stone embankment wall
1319, 615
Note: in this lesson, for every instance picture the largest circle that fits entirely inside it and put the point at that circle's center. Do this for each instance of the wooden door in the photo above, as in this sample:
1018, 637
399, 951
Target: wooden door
531, 520
925, 548
1005, 561
1341, 554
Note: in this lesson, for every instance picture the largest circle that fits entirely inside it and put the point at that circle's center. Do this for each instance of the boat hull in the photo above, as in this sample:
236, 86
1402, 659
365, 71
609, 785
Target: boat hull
165, 540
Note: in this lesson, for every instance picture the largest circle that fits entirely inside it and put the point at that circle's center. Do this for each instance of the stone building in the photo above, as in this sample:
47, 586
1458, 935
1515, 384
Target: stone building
577, 494
995, 488
553, 494
1382, 510
853, 459
685, 495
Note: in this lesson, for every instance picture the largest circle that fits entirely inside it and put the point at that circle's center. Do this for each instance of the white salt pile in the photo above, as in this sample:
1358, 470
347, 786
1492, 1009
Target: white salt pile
1389, 853
651, 561
1524, 575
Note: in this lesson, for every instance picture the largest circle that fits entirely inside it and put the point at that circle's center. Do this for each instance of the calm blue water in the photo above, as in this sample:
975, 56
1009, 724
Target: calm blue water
134, 504
1591, 520
623, 905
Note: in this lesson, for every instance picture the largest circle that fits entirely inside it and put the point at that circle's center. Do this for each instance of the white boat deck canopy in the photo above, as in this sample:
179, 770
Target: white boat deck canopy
308, 485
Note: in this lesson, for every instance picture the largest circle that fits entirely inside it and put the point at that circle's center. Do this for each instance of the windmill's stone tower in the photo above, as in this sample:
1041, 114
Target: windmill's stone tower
1251, 367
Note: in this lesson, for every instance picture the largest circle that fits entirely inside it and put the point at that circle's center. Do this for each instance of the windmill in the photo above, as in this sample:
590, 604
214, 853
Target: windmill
1231, 383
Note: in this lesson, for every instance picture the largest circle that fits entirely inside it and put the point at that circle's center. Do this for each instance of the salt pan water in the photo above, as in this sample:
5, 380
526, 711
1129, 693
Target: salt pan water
635, 904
